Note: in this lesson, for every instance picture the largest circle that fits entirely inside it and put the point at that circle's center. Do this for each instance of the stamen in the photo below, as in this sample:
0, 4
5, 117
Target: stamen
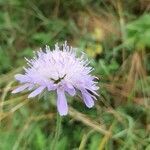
58, 80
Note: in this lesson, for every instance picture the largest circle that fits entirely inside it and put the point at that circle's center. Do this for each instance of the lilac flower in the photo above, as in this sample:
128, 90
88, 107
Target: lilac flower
61, 71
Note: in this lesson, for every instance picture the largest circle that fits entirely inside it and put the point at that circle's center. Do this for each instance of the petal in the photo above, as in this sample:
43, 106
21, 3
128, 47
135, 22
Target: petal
36, 92
70, 89
92, 92
88, 100
61, 102
31, 86
94, 87
51, 87
22, 78
20, 88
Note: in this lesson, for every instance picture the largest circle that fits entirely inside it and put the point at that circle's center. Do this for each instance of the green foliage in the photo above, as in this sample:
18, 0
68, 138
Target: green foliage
139, 32
94, 143
123, 105
5, 61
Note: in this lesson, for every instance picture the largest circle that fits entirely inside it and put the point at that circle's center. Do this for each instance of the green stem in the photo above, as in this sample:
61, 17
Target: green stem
57, 133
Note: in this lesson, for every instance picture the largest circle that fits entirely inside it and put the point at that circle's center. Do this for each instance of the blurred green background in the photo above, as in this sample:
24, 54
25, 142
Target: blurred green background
115, 34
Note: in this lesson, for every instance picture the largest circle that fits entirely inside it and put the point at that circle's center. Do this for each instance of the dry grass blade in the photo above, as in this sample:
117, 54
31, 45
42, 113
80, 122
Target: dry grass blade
9, 76
26, 126
4, 115
87, 121
84, 139
4, 94
13, 100
105, 138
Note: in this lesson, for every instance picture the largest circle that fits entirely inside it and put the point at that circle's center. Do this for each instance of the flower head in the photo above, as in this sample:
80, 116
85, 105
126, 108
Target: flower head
59, 70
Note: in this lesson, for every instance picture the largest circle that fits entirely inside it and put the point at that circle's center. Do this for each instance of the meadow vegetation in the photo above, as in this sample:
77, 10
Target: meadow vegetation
115, 35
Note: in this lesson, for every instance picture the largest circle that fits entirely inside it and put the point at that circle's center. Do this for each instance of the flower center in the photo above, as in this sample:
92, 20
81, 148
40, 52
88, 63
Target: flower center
58, 80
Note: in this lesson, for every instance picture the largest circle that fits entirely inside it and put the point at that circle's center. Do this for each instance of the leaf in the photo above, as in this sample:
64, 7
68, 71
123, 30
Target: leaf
139, 32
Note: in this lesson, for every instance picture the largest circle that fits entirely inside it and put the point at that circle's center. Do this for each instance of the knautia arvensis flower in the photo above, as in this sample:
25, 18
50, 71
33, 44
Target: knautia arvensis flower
62, 71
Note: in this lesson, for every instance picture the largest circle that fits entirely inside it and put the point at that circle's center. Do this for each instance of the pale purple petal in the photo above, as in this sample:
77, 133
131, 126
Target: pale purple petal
92, 91
61, 102
87, 98
20, 88
31, 86
70, 89
36, 92
51, 87
22, 78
